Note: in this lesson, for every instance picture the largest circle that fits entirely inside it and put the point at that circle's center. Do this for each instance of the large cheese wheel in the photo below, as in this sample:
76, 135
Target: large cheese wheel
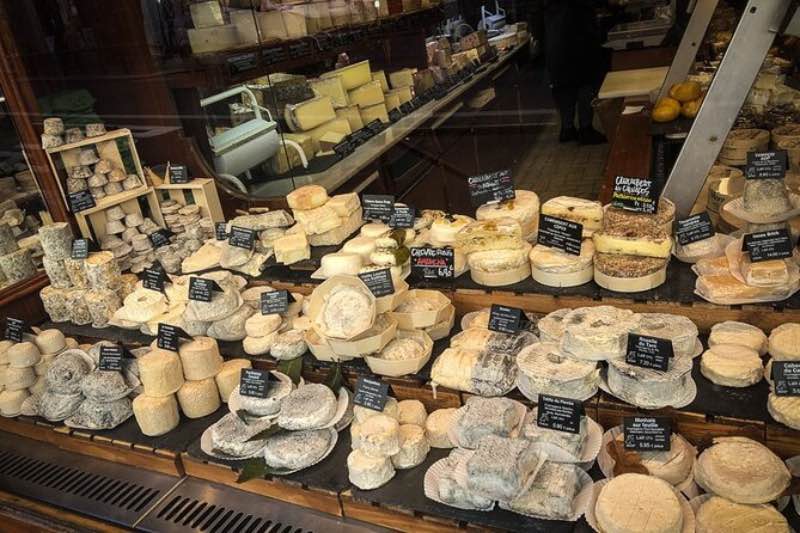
228, 378
200, 358
199, 398
156, 415
437, 428
23, 355
657, 508
161, 373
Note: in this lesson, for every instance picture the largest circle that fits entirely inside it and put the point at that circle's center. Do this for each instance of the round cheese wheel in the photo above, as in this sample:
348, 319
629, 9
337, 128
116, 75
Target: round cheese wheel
437, 428
784, 409
4, 346
11, 401
414, 447
259, 345
656, 509
160, 372
259, 325
23, 355
367, 472
732, 365
731, 332
379, 436
200, 358
228, 378
156, 415
444, 230
784, 342
50, 341
718, 515
411, 412
344, 263
199, 398
390, 408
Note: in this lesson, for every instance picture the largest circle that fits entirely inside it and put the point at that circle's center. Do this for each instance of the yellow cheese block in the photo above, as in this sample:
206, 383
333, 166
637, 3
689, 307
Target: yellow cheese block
206, 40
352, 116
367, 95
380, 76
339, 125
309, 114
352, 76
331, 87
329, 140
403, 93
607, 243
392, 101
287, 157
378, 111
402, 78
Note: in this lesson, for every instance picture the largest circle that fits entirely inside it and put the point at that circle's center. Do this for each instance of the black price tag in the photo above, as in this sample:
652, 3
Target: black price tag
275, 302
768, 245
634, 194
766, 165
361, 136
242, 237
560, 414
201, 289
433, 263
492, 187
80, 248
402, 216
695, 228
160, 237
395, 115
377, 206
14, 329
786, 378
241, 63
406, 108
440, 91
647, 433
371, 393
255, 383
649, 352
505, 319
221, 231
111, 358
416, 102
80, 201
561, 234
169, 337
345, 147
376, 126
153, 278
378, 281
178, 174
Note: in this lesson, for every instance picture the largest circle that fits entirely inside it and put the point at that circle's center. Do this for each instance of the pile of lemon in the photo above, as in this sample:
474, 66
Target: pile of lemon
684, 99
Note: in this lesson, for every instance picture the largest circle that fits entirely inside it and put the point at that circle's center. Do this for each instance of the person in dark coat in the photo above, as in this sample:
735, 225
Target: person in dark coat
576, 62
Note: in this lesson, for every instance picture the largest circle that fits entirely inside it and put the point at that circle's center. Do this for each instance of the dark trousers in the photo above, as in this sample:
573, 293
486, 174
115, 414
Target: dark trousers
568, 99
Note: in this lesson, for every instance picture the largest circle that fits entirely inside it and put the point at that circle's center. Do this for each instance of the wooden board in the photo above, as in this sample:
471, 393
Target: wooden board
31, 427
783, 440
636, 82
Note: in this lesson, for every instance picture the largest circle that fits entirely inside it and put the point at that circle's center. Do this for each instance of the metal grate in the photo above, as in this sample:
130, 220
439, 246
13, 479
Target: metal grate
101, 489
209, 508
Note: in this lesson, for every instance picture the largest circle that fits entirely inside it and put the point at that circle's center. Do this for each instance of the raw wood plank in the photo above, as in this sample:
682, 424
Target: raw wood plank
783, 440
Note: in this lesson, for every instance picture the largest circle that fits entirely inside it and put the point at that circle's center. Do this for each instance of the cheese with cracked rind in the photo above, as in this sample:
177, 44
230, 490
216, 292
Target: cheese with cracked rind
597, 333
657, 508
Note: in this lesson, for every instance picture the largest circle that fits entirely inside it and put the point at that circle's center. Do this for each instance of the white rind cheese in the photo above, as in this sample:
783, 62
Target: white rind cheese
681, 331
367, 472
673, 466
378, 436
545, 369
411, 412
307, 197
784, 342
732, 365
597, 333
200, 358
11, 401
730, 332
390, 408
635, 503
437, 428
718, 515
414, 447
199, 398
524, 208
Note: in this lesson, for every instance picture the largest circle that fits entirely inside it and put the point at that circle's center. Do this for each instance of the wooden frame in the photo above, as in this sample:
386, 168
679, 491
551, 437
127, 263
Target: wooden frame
203, 191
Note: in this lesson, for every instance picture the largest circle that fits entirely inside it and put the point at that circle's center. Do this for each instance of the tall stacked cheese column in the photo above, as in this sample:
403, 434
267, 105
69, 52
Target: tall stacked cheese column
633, 249
170, 379
556, 268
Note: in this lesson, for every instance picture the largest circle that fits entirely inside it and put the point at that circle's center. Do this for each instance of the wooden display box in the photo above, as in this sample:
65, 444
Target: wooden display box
200, 191
92, 222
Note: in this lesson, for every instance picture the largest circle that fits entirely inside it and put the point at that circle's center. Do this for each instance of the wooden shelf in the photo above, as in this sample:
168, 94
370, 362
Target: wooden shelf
91, 141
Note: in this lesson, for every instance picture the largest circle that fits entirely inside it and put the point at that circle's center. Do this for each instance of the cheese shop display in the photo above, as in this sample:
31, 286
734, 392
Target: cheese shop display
714, 514
544, 368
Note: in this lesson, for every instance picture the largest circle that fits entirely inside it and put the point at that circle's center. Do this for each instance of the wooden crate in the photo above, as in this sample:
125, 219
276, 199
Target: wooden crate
92, 222
200, 191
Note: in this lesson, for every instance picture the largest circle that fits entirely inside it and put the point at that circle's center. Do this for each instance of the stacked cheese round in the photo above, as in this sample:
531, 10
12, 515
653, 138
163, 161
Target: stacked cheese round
587, 213
383, 441
18, 376
524, 208
597, 333
732, 365
545, 369
679, 330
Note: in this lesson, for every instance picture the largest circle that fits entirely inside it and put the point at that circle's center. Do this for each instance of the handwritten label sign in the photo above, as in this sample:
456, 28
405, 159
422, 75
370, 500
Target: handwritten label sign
634, 194
160, 237
379, 282
242, 237
492, 187
221, 231
178, 174
14, 329
402, 216
371, 393
275, 302
560, 414
80, 249
786, 376
433, 263
153, 278
111, 358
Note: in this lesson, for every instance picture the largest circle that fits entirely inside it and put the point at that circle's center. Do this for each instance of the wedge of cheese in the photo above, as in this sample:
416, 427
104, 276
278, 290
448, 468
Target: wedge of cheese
392, 101
309, 114
368, 114
367, 95
338, 125
380, 76
288, 157
329, 140
403, 93
331, 87
344, 204
352, 76
352, 116
402, 78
